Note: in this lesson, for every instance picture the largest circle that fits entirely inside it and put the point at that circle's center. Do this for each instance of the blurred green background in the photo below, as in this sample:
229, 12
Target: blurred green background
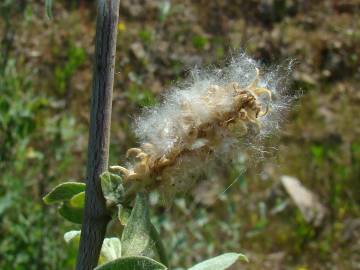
45, 82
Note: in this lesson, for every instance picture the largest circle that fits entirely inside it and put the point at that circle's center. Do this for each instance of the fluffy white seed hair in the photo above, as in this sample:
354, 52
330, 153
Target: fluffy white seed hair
212, 118
162, 125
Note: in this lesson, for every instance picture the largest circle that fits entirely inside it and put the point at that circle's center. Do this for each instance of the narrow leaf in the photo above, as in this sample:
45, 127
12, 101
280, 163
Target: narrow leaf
63, 192
48, 8
123, 214
74, 215
159, 246
220, 262
78, 201
132, 263
136, 235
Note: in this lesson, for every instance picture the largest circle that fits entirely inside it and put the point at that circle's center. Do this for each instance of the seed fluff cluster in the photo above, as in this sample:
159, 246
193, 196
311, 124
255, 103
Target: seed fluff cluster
207, 121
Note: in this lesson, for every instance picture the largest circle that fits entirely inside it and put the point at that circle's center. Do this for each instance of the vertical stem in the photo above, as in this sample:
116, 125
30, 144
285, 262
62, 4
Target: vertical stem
96, 217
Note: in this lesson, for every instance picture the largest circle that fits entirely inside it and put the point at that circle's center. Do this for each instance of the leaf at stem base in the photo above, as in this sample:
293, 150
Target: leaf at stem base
220, 262
132, 263
64, 192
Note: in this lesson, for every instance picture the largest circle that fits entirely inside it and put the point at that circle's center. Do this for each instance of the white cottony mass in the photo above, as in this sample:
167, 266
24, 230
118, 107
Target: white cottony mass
214, 115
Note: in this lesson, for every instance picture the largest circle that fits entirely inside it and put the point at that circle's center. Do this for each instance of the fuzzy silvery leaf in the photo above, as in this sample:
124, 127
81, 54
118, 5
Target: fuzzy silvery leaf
111, 185
64, 192
136, 235
220, 262
72, 235
159, 246
132, 263
111, 249
140, 237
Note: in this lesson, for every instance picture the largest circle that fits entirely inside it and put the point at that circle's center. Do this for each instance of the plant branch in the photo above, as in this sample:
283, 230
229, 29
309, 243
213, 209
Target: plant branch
96, 216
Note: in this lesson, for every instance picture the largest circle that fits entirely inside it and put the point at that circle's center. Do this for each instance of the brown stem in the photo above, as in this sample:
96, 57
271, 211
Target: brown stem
96, 216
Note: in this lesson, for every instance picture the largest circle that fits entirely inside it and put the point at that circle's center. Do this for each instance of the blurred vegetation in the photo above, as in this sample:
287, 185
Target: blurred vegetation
45, 82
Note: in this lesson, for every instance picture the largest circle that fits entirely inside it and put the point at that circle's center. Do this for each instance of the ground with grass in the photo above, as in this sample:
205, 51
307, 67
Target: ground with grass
45, 84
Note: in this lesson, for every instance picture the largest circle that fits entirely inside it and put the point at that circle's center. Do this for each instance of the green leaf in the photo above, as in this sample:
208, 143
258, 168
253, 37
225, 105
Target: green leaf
111, 249
220, 262
164, 9
132, 263
5, 203
78, 201
74, 215
64, 192
159, 246
136, 235
72, 236
48, 8
123, 214
111, 185
140, 236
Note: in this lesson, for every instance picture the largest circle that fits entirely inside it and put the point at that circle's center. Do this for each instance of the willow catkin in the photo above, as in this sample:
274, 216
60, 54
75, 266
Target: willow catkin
214, 114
